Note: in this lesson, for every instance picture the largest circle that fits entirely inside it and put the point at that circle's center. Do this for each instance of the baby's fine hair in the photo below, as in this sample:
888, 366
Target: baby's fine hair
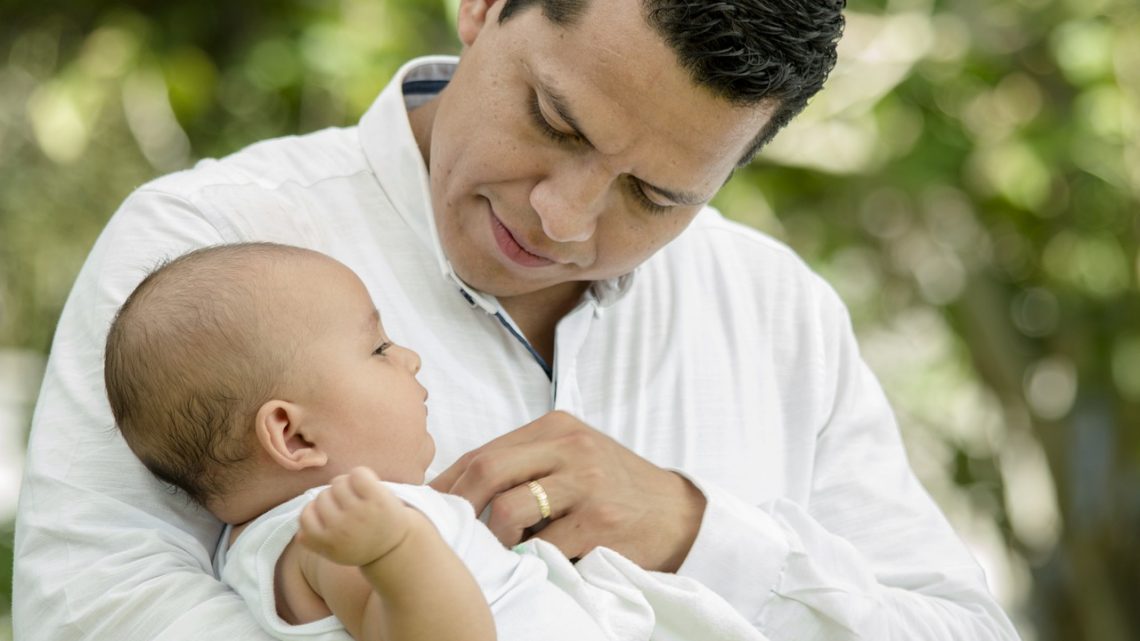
191, 356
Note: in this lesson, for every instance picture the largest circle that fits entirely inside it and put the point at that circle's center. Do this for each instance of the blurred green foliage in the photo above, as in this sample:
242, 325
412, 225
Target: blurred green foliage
972, 192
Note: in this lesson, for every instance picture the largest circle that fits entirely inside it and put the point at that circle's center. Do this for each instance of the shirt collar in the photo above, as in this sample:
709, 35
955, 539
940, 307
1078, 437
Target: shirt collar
390, 147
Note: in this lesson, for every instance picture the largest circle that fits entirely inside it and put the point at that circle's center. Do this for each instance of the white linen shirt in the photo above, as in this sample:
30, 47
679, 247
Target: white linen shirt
723, 356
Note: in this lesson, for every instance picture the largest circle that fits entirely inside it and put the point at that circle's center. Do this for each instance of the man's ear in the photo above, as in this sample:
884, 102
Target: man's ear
472, 18
282, 434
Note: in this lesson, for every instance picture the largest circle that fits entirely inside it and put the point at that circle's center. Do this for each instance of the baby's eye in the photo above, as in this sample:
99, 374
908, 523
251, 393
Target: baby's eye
379, 351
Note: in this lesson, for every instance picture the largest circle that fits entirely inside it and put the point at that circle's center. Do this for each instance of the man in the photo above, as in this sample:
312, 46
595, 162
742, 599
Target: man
711, 415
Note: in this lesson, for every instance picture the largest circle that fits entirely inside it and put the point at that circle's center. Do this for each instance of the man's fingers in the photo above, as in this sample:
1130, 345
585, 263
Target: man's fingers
492, 472
519, 508
447, 478
543, 427
569, 536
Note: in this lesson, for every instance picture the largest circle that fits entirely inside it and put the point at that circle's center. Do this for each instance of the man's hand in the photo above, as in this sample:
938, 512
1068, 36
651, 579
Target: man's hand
355, 521
600, 493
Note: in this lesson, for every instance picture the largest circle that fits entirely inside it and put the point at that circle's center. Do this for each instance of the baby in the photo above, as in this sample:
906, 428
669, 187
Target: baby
251, 376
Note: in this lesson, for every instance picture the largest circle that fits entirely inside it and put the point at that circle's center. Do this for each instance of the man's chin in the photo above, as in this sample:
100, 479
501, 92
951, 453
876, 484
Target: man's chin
507, 287
504, 288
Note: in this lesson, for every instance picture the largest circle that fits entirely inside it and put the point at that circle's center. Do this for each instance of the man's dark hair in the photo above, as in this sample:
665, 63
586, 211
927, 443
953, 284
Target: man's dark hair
747, 52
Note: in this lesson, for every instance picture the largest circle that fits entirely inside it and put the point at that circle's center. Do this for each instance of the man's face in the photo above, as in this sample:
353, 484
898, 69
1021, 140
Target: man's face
563, 155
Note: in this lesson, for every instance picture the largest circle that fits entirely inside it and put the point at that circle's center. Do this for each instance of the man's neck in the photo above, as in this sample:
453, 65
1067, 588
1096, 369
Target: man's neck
421, 119
537, 314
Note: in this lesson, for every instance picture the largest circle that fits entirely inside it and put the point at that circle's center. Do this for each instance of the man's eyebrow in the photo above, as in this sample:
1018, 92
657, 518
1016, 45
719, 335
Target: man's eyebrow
558, 103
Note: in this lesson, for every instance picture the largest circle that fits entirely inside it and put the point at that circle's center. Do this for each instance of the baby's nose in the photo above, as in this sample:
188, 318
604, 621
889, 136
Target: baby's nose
410, 359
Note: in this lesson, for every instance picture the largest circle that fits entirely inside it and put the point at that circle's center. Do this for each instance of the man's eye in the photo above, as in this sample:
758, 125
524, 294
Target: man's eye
379, 351
644, 200
544, 125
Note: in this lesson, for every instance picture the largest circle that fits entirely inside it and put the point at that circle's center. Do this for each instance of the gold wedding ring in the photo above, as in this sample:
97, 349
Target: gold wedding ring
539, 493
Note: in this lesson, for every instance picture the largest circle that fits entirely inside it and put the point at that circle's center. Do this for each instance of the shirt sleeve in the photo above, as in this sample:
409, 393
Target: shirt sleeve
870, 556
103, 550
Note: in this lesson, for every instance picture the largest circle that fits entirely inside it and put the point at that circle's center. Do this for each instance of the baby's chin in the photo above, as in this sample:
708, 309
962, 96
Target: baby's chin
412, 477
428, 457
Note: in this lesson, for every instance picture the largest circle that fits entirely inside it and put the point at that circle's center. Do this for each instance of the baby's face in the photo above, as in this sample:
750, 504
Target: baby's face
359, 385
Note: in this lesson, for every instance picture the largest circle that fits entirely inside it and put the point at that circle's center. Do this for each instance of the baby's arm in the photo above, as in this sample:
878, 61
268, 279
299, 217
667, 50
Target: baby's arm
383, 569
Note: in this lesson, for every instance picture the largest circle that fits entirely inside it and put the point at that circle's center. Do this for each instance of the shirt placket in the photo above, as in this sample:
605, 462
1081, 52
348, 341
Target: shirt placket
570, 336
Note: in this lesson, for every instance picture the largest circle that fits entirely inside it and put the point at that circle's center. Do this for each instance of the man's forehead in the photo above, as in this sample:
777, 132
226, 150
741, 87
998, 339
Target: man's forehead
680, 150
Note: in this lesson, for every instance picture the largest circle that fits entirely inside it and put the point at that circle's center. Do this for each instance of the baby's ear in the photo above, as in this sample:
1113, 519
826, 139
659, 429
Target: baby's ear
281, 433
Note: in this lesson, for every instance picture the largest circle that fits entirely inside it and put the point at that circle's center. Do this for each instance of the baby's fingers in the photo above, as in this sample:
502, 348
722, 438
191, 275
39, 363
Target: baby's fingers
312, 533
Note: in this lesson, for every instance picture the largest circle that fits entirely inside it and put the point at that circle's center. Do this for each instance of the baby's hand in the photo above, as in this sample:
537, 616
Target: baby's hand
355, 521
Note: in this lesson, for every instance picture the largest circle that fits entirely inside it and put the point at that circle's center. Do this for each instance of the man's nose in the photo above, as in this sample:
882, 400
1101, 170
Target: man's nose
569, 200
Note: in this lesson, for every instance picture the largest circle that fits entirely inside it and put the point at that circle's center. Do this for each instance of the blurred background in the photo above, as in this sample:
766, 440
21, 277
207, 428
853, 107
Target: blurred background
969, 181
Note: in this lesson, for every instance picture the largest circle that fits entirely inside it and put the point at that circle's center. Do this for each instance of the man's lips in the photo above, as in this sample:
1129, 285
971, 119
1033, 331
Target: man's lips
513, 249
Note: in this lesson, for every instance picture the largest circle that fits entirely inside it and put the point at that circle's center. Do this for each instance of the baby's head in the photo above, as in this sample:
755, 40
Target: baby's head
245, 374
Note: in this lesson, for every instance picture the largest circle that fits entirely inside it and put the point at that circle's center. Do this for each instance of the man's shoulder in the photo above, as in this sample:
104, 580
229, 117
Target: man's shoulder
718, 243
300, 160
720, 264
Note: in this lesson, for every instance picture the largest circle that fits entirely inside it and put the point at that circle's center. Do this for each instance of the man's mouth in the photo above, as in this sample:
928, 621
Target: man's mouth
512, 248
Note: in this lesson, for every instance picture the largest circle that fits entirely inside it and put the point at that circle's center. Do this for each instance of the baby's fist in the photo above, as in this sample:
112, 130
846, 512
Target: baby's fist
354, 521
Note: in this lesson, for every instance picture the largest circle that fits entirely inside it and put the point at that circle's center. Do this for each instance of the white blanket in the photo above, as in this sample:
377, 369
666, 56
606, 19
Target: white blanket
633, 604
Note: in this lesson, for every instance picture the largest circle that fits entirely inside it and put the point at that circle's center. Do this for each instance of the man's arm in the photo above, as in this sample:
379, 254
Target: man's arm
869, 555
383, 569
103, 550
